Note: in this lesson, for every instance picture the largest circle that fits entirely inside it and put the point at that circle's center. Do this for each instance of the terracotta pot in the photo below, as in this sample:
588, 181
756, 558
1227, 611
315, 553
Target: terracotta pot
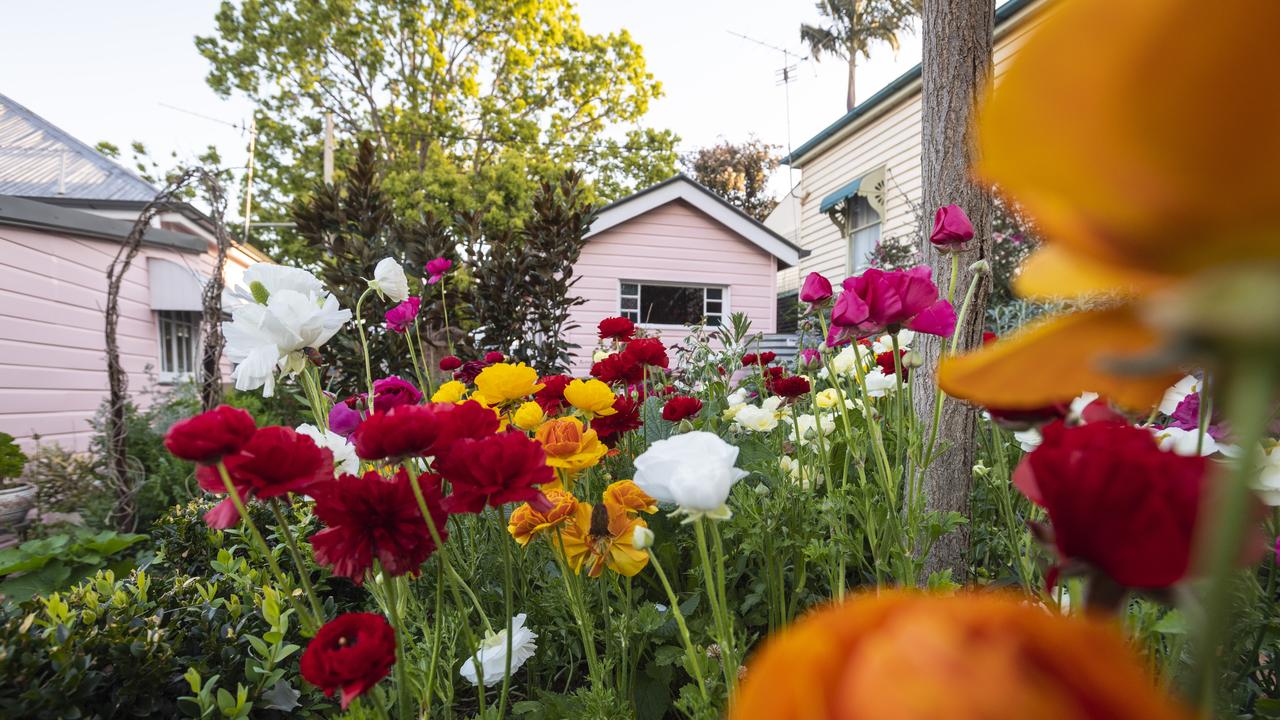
14, 504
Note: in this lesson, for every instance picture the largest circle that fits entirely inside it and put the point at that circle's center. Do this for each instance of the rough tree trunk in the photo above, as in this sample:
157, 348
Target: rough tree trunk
850, 99
957, 64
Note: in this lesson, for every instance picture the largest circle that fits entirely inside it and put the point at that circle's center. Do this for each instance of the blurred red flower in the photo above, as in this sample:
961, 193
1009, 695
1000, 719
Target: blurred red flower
350, 653
450, 362
208, 436
494, 470
551, 397
679, 408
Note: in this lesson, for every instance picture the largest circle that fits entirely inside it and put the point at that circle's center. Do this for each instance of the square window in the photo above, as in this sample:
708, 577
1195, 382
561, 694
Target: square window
715, 293
671, 304
179, 341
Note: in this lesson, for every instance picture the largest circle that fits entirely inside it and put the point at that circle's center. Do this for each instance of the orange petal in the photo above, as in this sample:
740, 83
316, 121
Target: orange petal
1056, 360
1155, 149
1055, 273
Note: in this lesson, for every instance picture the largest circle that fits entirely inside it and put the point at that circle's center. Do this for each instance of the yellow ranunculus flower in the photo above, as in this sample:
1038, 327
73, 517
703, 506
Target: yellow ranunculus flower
503, 382
528, 416
603, 535
526, 523
450, 392
592, 397
567, 446
1111, 154
828, 398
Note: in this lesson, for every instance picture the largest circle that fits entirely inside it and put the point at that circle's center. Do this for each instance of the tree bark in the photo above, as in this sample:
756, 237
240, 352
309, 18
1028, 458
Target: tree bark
957, 67
850, 99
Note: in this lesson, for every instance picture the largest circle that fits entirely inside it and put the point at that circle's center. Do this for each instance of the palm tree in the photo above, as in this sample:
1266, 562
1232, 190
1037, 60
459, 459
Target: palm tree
851, 27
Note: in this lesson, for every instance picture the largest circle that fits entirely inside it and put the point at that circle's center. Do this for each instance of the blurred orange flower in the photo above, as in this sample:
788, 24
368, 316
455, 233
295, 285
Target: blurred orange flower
908, 656
1150, 166
568, 446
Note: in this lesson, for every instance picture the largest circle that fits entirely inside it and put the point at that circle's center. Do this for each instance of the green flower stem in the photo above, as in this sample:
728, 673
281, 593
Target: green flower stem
1249, 385
309, 625
507, 595
364, 347
417, 367
402, 635
729, 649
719, 613
1205, 413
927, 460
574, 595
417, 334
315, 396
435, 642
695, 666
290, 542
955, 272
444, 308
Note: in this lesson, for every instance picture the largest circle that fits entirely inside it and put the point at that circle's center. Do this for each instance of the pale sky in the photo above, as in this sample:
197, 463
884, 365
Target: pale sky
108, 70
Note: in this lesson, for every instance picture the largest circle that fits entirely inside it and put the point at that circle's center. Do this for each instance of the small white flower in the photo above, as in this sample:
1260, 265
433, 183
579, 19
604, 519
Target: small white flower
693, 470
1268, 482
1028, 440
1183, 442
880, 383
884, 343
492, 653
345, 459
1179, 392
804, 477
642, 538
755, 418
389, 280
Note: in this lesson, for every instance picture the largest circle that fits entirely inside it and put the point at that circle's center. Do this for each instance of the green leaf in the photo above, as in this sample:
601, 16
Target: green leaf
47, 579
281, 697
1173, 623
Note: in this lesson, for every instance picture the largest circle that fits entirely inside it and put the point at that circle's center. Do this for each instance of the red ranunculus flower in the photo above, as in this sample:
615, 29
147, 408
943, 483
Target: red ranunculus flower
618, 369
878, 301
494, 470
767, 357
277, 461
368, 516
951, 228
790, 387
1024, 419
493, 356
771, 375
1116, 501
449, 363
468, 371
609, 428
391, 392
210, 435
463, 421
616, 328
403, 431
750, 359
679, 408
885, 361
350, 653
551, 397
647, 351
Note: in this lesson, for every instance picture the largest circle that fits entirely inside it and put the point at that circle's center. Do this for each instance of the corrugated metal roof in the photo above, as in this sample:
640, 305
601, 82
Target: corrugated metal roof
37, 159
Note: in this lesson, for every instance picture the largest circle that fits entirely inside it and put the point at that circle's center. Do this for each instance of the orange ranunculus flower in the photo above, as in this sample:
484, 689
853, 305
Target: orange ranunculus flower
628, 495
907, 656
603, 535
1150, 166
568, 446
526, 523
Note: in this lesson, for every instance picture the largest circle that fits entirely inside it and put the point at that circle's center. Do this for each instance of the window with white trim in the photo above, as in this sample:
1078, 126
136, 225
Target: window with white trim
179, 342
864, 232
664, 304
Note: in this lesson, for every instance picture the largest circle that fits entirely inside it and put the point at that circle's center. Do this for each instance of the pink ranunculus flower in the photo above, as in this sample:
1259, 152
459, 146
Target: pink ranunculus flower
810, 357
816, 289
400, 317
877, 301
951, 228
346, 416
437, 268
391, 392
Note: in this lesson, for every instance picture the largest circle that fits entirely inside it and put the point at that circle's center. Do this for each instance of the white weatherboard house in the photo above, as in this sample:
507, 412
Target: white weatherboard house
672, 255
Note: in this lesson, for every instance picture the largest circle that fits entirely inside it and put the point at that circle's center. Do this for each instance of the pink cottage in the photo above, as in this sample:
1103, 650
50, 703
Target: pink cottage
672, 255
64, 210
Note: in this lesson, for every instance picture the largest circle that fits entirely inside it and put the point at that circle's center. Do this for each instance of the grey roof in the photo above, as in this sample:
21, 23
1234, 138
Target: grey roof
26, 213
37, 159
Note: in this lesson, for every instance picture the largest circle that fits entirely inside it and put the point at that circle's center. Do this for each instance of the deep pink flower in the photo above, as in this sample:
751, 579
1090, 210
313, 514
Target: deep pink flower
437, 269
345, 416
493, 471
951, 228
810, 357
391, 392
400, 317
493, 356
816, 289
449, 363
878, 301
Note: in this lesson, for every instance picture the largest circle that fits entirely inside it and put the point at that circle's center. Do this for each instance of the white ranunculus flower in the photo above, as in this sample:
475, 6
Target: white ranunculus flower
1079, 404
599, 355
804, 477
1268, 482
756, 418
771, 403
842, 363
492, 653
1028, 440
1183, 442
737, 397
884, 343
693, 470
880, 383
642, 538
345, 459
1179, 392
265, 339
261, 280
389, 280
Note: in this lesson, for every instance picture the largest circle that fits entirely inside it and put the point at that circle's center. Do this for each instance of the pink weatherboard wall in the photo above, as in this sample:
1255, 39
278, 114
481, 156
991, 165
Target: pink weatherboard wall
53, 292
672, 243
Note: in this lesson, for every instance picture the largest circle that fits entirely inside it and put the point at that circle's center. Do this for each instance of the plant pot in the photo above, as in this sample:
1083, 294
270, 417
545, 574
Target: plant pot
14, 504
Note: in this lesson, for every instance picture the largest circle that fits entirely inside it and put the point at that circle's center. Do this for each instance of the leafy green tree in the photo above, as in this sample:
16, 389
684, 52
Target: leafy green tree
471, 102
739, 173
852, 25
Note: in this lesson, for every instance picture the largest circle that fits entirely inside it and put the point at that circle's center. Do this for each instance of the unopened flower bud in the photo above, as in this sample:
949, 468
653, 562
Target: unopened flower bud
912, 359
642, 538
259, 292
981, 266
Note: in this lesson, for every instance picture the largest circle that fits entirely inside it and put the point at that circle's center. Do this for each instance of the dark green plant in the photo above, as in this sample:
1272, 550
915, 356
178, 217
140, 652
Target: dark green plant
11, 459
45, 565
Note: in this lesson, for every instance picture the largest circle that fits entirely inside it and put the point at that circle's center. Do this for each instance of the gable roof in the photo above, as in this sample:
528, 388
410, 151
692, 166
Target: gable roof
25, 213
904, 84
39, 159
683, 187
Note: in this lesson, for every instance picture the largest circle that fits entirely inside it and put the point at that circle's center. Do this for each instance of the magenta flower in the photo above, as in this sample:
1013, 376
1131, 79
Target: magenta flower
437, 268
816, 289
810, 357
877, 301
951, 228
345, 416
391, 392
400, 317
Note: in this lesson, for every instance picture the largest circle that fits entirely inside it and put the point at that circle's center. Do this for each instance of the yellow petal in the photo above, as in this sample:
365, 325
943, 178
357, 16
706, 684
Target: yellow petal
1055, 273
1142, 133
1056, 360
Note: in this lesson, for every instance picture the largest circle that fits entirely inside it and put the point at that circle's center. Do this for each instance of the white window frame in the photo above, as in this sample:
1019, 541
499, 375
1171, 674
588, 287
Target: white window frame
723, 314
165, 319
857, 262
